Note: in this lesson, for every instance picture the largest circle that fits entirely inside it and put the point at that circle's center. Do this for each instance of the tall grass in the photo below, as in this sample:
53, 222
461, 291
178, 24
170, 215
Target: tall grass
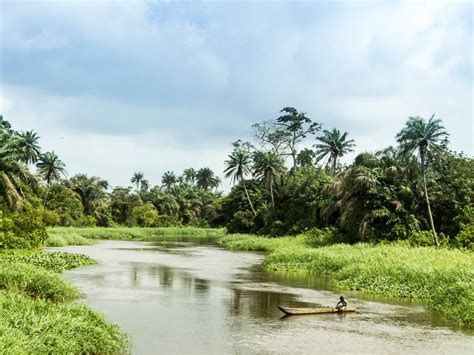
36, 315
443, 279
33, 326
70, 235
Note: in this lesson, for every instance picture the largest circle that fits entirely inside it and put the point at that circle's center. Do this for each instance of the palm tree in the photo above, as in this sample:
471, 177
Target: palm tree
12, 175
137, 178
428, 138
206, 179
28, 147
267, 166
190, 175
91, 191
237, 166
333, 144
168, 180
50, 167
144, 185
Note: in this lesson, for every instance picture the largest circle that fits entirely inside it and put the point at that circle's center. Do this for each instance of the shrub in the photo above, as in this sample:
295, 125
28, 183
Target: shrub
22, 230
51, 218
465, 238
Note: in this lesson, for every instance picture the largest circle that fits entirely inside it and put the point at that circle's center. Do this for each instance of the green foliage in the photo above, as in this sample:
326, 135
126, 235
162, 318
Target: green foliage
35, 316
65, 202
145, 216
139, 234
69, 239
22, 229
57, 261
35, 282
39, 326
50, 167
51, 218
465, 238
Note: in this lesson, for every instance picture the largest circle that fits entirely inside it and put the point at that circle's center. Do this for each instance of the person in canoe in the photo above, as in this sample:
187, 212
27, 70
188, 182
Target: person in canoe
342, 304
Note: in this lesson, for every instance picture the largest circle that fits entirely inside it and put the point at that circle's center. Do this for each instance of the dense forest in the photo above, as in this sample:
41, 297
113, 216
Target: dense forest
418, 191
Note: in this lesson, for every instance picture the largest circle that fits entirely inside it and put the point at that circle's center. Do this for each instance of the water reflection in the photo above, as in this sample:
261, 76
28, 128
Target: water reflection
204, 299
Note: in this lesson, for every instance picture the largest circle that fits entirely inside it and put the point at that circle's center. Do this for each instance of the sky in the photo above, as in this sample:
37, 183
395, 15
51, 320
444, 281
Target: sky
115, 87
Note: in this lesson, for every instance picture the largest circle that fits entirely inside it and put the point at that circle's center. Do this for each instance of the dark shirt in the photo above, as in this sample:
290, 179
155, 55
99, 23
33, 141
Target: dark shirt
341, 303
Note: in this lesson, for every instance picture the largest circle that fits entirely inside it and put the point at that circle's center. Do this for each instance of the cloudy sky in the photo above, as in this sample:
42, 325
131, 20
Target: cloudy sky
122, 86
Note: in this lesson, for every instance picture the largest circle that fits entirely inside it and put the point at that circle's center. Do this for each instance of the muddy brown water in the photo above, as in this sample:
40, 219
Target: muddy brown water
186, 298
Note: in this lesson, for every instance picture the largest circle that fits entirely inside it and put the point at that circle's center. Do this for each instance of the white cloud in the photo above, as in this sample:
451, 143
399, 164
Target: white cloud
170, 85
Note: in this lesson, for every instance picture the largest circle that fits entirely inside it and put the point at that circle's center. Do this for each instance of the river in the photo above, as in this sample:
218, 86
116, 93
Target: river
185, 298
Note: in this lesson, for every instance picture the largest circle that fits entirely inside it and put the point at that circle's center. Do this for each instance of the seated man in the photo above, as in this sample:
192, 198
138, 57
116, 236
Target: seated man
341, 304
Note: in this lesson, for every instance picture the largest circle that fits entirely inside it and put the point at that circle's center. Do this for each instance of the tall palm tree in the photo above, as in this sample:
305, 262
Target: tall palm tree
50, 167
267, 166
28, 148
206, 179
190, 175
237, 166
168, 180
427, 138
137, 178
334, 144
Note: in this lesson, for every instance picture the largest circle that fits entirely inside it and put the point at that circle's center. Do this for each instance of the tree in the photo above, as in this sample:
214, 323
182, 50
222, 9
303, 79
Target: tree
50, 167
305, 157
137, 178
168, 180
122, 202
296, 126
237, 166
189, 175
333, 144
206, 179
427, 138
13, 175
267, 133
28, 148
91, 191
64, 202
267, 166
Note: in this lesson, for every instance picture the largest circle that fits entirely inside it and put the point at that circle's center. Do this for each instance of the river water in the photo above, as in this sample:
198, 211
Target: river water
185, 298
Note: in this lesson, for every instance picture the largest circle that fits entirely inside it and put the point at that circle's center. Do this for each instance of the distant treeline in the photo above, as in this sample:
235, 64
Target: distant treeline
419, 190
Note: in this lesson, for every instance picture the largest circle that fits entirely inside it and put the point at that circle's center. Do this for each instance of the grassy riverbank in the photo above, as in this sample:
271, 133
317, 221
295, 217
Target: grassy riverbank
36, 312
62, 236
441, 278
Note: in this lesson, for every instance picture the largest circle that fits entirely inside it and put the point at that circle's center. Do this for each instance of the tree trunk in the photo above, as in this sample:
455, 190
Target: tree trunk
293, 154
247, 194
422, 156
334, 162
273, 200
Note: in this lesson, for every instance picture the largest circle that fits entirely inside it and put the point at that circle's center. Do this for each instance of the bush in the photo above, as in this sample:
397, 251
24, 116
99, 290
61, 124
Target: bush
320, 237
51, 218
465, 238
22, 230
145, 215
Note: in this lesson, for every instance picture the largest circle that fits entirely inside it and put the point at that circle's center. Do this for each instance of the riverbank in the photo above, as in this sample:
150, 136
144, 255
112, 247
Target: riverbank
442, 279
38, 313
62, 236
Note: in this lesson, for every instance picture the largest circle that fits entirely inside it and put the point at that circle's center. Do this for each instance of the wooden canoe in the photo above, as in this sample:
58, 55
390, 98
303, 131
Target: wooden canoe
296, 311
